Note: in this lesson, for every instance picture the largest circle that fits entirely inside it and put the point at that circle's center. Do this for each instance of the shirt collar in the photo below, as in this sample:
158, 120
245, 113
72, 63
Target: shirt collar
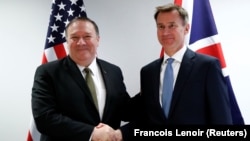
177, 56
92, 67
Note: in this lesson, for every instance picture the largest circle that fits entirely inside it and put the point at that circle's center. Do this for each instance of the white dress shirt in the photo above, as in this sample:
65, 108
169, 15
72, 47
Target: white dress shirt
99, 84
176, 66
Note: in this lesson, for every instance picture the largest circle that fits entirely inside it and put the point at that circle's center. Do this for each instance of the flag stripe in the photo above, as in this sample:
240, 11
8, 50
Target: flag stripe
44, 59
50, 54
29, 138
60, 51
178, 2
214, 50
208, 41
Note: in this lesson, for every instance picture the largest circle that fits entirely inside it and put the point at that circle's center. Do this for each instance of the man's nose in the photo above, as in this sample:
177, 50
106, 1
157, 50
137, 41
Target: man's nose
81, 41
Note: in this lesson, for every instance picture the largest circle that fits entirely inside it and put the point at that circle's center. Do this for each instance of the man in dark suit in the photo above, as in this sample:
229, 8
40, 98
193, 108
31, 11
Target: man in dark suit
199, 95
62, 104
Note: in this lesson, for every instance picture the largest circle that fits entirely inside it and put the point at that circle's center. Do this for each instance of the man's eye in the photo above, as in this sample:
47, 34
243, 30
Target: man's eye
171, 26
161, 27
87, 37
74, 38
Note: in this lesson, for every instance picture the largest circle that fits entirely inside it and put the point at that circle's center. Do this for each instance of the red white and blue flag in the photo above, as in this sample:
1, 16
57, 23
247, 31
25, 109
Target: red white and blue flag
62, 11
203, 38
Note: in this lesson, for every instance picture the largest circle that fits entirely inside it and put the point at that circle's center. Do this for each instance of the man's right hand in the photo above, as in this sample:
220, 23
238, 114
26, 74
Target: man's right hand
103, 132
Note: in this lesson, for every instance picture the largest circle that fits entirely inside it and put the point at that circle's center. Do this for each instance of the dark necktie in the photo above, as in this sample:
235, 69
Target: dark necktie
167, 86
91, 85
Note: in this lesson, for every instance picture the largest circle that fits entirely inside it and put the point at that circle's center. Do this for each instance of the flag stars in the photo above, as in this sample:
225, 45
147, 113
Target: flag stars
58, 17
63, 34
73, 2
51, 10
82, 8
62, 11
66, 22
51, 39
61, 6
70, 12
54, 27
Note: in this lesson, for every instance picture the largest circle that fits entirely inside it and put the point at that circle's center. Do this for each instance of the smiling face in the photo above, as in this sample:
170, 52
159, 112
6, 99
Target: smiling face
171, 31
82, 42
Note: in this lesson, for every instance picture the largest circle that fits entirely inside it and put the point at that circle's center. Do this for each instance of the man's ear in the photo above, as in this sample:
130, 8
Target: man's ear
187, 27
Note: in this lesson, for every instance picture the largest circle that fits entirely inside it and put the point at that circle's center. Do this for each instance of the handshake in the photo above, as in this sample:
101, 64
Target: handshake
103, 132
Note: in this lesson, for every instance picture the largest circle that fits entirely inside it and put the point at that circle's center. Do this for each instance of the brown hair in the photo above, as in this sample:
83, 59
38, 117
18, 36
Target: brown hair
83, 19
170, 7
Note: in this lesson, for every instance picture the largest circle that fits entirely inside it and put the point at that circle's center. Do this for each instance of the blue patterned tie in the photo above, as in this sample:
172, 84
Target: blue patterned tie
167, 86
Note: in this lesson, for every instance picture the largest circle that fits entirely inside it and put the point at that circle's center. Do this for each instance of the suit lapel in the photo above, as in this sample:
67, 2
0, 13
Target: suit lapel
184, 72
153, 75
73, 70
108, 87
156, 81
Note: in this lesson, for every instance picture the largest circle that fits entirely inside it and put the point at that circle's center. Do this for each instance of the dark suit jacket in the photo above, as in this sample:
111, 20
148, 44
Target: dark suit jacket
200, 95
62, 105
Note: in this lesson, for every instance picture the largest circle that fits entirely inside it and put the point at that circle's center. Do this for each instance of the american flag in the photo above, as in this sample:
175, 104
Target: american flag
62, 11
203, 38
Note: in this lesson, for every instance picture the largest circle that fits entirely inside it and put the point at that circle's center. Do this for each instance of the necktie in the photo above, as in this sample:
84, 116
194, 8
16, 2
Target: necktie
167, 86
91, 85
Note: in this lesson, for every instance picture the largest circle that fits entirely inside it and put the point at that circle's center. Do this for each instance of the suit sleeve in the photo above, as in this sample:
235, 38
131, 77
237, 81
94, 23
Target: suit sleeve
217, 95
48, 118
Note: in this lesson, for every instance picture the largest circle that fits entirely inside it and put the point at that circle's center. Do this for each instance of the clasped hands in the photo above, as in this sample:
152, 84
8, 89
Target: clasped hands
103, 132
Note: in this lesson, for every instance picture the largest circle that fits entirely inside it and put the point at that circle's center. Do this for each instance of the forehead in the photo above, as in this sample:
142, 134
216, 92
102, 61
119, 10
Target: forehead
81, 26
169, 17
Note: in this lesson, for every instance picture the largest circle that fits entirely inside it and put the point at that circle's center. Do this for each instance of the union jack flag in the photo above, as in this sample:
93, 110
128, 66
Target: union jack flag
62, 11
203, 38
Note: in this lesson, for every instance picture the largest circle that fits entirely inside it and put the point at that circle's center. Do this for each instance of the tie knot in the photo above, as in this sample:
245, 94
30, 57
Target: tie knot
170, 60
87, 70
